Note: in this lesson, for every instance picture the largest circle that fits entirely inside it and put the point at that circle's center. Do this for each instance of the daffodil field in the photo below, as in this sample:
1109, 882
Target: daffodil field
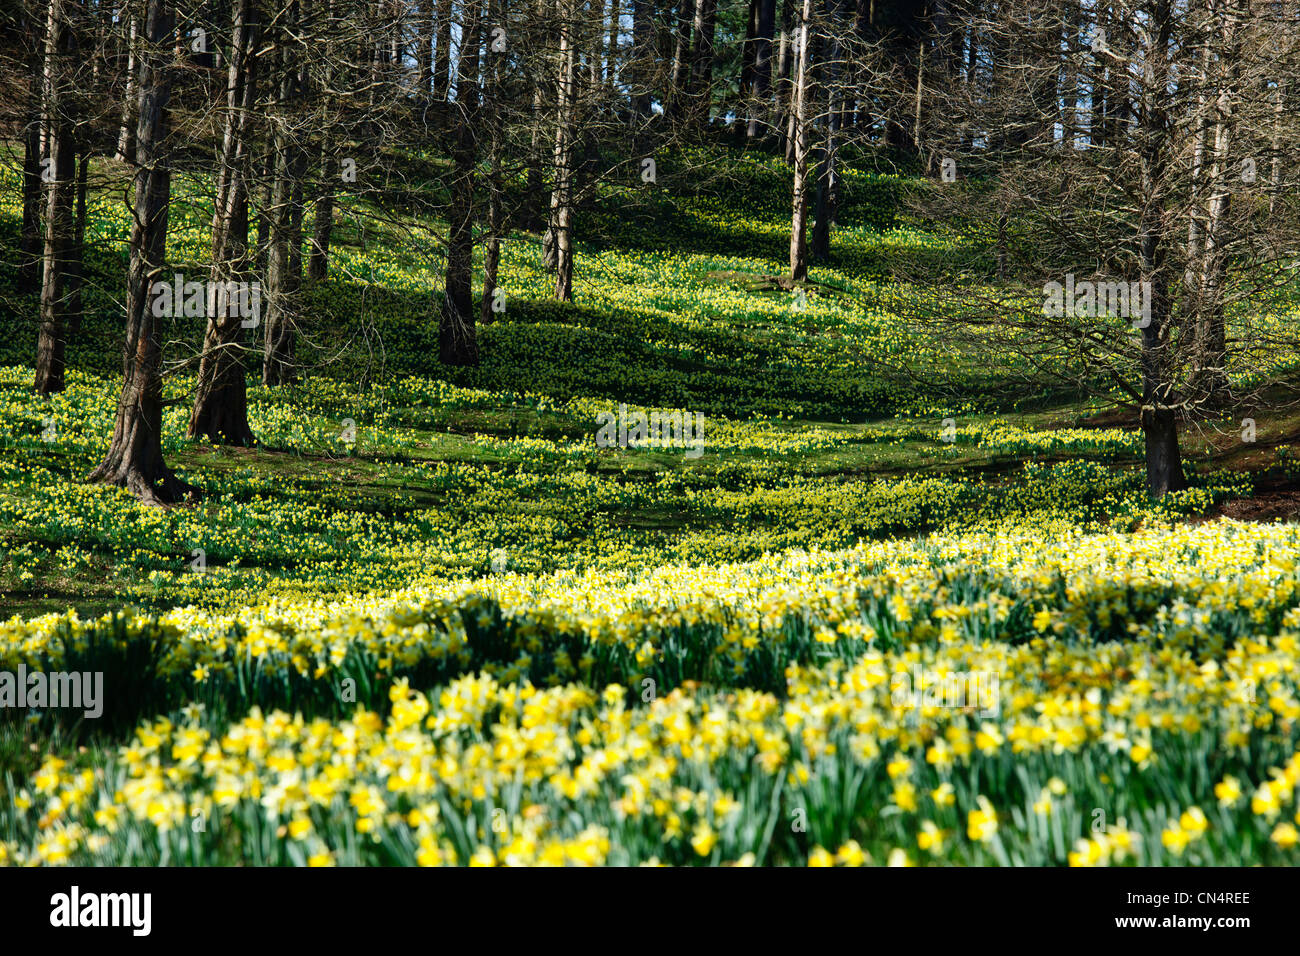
429, 620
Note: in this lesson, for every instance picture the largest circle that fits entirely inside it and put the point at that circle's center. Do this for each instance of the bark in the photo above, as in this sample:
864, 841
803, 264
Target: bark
920, 99
784, 61
424, 46
323, 216
642, 56
701, 84
76, 265
323, 220
60, 49
679, 82
611, 44
265, 170
828, 174
1069, 90
1159, 399
1211, 331
29, 275
457, 336
220, 412
592, 33
1275, 192
745, 106
799, 141
126, 131
762, 68
492, 246
282, 279
565, 133
442, 61
134, 459
297, 206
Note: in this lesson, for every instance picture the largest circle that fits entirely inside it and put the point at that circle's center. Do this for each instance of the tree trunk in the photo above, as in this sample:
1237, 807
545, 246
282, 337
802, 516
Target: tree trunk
786, 54
562, 193
1211, 330
220, 411
679, 82
323, 221
323, 216
265, 192
799, 140
424, 47
126, 132
1163, 456
761, 69
745, 106
702, 62
284, 255
828, 186
920, 100
51, 346
1159, 423
903, 40
611, 46
642, 65
492, 246
29, 265
1274, 193
442, 61
77, 265
134, 459
457, 337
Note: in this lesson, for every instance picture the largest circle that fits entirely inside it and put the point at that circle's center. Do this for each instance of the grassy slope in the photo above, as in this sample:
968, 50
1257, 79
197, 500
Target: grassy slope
666, 312
440, 477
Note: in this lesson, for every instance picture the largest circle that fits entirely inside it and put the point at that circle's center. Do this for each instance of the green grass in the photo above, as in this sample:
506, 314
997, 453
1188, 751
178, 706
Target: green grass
480, 497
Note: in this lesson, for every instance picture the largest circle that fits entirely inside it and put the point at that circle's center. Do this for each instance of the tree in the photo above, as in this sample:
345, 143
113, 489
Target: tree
60, 50
457, 342
126, 132
1133, 193
761, 68
701, 82
828, 186
442, 61
33, 32
799, 113
135, 459
493, 120
220, 400
289, 161
561, 221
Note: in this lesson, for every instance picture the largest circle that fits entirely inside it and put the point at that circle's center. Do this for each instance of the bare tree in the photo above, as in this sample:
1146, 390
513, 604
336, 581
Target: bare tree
135, 459
1136, 188
220, 401
457, 343
59, 109
289, 158
561, 221
799, 114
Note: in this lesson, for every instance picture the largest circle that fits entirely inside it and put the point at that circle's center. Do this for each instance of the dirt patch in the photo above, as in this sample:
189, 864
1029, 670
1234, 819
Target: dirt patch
1112, 418
1265, 506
